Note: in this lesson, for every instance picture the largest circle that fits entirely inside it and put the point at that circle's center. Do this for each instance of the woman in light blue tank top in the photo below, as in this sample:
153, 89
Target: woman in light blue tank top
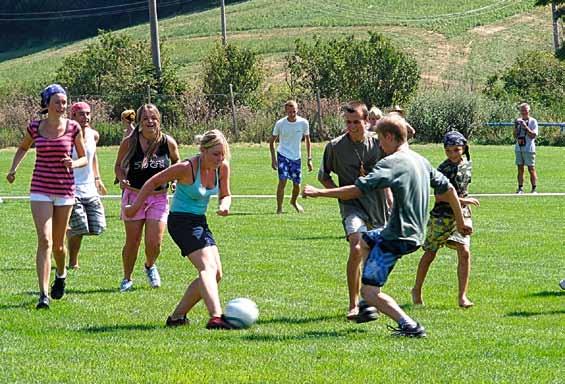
197, 179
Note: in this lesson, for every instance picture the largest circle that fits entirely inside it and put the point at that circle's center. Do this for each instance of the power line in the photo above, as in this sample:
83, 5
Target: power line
101, 11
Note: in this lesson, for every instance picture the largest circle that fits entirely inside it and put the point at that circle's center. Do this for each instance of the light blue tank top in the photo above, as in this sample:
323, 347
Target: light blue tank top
193, 198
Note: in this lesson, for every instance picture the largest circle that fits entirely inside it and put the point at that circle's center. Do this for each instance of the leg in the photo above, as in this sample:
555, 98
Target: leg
354, 271
294, 197
61, 215
463, 271
280, 194
42, 213
423, 267
533, 176
73, 245
154, 230
131, 247
384, 303
520, 176
193, 293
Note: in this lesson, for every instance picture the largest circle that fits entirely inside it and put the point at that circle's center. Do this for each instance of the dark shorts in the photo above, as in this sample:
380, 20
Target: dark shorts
382, 257
189, 232
289, 169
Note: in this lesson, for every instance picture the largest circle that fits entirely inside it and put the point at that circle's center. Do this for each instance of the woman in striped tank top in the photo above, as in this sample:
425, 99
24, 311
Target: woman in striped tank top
52, 185
197, 178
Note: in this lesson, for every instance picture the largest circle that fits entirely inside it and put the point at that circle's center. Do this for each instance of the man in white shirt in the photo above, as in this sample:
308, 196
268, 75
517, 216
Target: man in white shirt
525, 133
289, 131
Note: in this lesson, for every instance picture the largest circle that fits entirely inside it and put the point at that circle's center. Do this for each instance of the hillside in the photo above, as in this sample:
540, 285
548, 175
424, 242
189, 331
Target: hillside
455, 42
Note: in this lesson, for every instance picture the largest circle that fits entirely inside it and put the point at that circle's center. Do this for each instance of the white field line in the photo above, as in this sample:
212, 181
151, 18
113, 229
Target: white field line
273, 196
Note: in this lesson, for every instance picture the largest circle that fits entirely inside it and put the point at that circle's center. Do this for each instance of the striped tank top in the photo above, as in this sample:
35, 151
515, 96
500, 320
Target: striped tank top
50, 176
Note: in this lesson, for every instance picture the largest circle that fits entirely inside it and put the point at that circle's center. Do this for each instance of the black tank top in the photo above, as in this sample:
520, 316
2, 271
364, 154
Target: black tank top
139, 173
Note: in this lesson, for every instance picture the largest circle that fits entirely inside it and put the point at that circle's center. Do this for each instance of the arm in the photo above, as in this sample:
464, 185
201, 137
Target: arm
450, 196
81, 160
389, 197
309, 152
347, 192
173, 150
19, 156
272, 149
96, 169
225, 193
530, 132
324, 174
172, 173
118, 170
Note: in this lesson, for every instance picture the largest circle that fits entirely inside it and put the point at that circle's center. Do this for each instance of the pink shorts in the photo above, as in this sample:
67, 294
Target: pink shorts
155, 207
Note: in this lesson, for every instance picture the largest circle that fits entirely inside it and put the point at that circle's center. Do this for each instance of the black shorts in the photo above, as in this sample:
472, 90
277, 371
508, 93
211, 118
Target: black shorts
189, 232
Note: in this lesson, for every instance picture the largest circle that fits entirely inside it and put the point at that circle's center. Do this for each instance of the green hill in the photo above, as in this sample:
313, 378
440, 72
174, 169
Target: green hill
455, 42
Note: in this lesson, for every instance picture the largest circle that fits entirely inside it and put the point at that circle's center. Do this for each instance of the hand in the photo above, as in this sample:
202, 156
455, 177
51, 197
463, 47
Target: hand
102, 191
465, 229
124, 183
310, 166
223, 211
472, 201
67, 162
274, 165
129, 211
173, 186
309, 191
11, 176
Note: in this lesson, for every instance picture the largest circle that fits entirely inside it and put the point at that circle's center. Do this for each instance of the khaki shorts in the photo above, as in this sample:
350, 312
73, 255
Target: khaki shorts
442, 231
525, 158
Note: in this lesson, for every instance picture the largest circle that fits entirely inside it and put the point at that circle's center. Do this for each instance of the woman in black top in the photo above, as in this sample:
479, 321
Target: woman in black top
144, 153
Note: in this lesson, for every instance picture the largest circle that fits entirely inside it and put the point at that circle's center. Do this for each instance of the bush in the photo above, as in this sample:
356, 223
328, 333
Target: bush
240, 67
119, 68
432, 113
347, 69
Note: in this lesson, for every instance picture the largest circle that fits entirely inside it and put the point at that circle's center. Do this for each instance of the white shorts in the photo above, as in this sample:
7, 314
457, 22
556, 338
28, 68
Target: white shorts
56, 200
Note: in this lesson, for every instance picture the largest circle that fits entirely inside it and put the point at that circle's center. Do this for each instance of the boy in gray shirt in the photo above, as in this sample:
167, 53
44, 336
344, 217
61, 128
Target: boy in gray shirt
409, 176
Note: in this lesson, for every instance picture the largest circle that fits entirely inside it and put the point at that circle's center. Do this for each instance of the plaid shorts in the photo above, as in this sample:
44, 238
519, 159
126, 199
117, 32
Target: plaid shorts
87, 217
289, 169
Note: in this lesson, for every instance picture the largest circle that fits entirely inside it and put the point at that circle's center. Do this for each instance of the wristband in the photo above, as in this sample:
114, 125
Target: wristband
96, 177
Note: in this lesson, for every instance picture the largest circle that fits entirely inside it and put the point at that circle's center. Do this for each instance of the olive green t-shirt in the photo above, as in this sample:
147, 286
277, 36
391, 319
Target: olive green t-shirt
343, 157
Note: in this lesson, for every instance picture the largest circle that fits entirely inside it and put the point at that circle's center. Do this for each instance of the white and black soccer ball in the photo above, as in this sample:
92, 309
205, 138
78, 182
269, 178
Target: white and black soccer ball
562, 284
241, 312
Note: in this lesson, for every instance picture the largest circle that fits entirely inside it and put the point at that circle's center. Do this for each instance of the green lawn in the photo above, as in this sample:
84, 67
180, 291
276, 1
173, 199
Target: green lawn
293, 266
457, 41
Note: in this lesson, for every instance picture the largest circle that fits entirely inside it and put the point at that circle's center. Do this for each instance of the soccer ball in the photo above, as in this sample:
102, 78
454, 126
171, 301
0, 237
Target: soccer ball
562, 284
241, 312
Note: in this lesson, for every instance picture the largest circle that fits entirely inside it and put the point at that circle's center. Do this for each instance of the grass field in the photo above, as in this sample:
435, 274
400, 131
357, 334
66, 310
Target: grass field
460, 41
293, 267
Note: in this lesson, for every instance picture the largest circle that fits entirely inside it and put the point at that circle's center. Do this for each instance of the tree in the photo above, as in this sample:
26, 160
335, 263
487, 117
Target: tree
371, 70
231, 64
119, 69
558, 12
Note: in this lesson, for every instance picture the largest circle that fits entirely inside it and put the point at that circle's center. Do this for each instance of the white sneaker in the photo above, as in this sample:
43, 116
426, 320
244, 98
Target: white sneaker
126, 285
153, 276
520, 191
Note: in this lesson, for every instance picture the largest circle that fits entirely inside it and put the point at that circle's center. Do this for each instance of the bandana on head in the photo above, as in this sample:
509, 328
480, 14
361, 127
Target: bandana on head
80, 106
454, 138
50, 91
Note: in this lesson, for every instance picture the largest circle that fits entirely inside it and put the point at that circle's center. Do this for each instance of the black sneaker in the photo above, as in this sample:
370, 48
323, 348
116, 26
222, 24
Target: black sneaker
43, 302
176, 322
366, 313
408, 331
58, 288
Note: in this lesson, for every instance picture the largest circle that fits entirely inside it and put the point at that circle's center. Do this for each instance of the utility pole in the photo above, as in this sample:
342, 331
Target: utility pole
155, 36
555, 20
223, 17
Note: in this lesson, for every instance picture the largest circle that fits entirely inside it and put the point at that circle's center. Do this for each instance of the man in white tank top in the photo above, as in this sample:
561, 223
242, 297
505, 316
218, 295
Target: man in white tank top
87, 217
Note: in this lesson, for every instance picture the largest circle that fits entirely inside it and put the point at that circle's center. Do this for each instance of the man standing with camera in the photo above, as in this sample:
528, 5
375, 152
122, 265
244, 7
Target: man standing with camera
525, 133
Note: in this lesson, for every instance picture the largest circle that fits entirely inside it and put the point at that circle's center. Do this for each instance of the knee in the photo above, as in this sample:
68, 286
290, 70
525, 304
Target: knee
44, 242
355, 252
464, 253
58, 248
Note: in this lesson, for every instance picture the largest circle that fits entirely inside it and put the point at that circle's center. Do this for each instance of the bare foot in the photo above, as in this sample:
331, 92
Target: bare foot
352, 314
417, 297
465, 303
279, 211
298, 207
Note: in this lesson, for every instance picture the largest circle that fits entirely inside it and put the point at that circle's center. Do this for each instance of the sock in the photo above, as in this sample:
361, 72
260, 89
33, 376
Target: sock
407, 321
64, 276
533, 187
520, 187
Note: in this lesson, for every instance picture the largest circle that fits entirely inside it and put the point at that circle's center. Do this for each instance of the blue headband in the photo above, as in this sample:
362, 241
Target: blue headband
50, 91
454, 138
